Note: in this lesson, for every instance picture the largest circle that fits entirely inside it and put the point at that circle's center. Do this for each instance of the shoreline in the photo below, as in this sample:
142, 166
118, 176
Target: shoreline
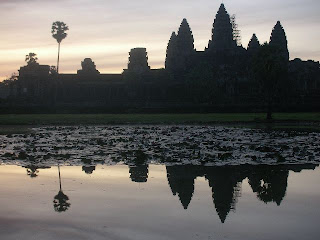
158, 119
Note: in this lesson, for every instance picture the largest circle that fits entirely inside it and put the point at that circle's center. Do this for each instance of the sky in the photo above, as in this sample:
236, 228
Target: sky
106, 30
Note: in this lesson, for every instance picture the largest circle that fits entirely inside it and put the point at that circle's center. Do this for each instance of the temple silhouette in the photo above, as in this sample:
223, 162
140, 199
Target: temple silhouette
219, 78
269, 183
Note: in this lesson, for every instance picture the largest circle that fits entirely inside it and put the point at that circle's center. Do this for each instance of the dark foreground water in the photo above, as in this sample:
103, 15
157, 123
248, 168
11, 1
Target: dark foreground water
160, 202
144, 182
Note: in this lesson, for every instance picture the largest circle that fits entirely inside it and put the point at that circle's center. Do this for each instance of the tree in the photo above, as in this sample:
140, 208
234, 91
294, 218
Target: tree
270, 69
60, 201
53, 70
31, 58
32, 171
58, 31
7, 82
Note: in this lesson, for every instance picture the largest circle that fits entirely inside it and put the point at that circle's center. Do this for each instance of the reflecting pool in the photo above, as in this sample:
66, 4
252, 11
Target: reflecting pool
159, 201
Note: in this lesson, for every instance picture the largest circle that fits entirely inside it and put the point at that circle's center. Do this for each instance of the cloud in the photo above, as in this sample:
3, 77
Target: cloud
26, 1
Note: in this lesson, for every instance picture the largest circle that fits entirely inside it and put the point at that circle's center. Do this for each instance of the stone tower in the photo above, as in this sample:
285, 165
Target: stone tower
279, 39
222, 33
254, 44
138, 60
181, 48
172, 52
185, 39
88, 67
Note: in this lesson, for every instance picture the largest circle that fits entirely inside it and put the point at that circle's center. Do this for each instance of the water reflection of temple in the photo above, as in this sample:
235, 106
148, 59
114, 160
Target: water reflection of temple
225, 184
181, 181
139, 173
88, 169
269, 183
270, 186
33, 170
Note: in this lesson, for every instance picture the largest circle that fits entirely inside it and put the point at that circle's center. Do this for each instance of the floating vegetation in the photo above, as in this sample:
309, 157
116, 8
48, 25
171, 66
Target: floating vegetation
140, 144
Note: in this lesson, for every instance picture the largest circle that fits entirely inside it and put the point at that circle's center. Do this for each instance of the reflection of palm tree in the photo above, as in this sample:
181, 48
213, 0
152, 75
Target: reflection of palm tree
60, 201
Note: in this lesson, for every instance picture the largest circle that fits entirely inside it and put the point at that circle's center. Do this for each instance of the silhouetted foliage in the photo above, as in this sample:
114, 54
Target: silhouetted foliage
53, 70
32, 171
60, 202
58, 31
31, 58
13, 78
270, 68
270, 186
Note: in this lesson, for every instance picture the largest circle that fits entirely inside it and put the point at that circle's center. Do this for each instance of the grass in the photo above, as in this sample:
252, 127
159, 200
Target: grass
100, 119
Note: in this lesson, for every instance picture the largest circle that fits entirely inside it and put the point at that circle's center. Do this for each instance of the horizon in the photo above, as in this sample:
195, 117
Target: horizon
127, 27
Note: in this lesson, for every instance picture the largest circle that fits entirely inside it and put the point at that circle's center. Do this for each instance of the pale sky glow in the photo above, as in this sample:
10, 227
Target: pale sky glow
106, 30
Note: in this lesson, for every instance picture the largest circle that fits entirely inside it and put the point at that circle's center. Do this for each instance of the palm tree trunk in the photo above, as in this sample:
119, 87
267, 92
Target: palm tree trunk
269, 109
59, 176
269, 115
58, 58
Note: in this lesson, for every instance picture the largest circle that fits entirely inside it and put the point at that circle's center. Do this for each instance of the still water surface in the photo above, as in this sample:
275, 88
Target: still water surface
160, 202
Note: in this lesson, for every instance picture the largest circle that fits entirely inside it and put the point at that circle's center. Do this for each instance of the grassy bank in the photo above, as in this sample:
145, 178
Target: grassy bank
70, 119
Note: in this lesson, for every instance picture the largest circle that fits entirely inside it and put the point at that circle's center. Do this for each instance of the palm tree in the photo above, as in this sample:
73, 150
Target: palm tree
59, 33
60, 201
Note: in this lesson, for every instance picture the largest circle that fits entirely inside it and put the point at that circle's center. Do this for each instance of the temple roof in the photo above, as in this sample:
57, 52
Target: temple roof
222, 32
254, 43
185, 38
278, 38
222, 8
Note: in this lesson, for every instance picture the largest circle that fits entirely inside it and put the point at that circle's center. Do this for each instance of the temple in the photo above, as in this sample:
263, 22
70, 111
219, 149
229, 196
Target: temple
268, 183
219, 78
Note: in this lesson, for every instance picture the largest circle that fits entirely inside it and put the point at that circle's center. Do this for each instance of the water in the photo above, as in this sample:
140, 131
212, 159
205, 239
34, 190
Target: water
159, 182
160, 202
204, 145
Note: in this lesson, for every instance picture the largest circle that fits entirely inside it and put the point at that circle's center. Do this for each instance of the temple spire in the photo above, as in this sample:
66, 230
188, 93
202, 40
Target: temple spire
180, 48
138, 60
279, 39
254, 43
171, 56
222, 32
185, 39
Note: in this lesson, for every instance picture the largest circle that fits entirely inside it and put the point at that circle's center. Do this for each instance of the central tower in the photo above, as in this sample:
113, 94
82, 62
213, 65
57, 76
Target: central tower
222, 33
